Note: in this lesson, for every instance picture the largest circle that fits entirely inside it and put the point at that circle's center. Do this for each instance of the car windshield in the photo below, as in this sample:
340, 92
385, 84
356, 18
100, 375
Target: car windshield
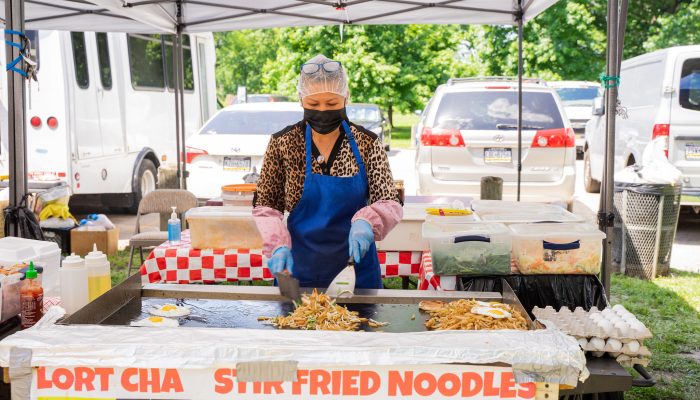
578, 96
365, 114
492, 110
248, 122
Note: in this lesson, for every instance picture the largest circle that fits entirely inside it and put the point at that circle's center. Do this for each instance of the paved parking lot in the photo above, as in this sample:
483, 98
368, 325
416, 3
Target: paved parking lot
402, 163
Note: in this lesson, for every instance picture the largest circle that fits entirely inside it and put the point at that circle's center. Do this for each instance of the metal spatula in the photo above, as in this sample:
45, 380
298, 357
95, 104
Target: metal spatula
289, 286
343, 284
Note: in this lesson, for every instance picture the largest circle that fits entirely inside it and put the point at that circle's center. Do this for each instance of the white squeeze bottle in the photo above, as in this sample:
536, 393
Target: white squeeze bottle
74, 284
174, 228
99, 276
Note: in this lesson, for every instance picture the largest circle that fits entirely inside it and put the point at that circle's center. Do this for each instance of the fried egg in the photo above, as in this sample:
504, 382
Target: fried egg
156, 321
169, 310
492, 312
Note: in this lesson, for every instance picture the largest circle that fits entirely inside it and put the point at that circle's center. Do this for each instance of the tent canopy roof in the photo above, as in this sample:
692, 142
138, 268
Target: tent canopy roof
227, 15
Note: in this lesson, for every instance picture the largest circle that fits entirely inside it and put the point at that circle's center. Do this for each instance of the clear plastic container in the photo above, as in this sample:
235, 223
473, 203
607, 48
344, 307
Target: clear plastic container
486, 207
469, 249
536, 215
14, 250
239, 194
223, 228
407, 236
557, 248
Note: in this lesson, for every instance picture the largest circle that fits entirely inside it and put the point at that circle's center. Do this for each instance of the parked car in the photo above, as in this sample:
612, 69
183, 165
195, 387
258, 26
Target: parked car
232, 143
660, 92
371, 117
470, 131
577, 98
266, 98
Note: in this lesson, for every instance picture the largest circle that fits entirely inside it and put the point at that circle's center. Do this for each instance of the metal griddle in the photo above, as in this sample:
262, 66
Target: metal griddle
229, 306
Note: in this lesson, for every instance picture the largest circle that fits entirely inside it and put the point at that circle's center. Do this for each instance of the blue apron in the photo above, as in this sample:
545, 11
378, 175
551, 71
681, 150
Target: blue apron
320, 225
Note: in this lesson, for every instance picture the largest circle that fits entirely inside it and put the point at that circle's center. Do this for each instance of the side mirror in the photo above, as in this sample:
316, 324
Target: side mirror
598, 106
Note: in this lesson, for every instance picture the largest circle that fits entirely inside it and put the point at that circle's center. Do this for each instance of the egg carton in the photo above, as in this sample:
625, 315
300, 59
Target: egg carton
614, 347
616, 322
629, 362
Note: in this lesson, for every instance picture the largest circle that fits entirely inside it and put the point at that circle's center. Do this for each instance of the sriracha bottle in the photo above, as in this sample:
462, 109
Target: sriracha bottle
31, 298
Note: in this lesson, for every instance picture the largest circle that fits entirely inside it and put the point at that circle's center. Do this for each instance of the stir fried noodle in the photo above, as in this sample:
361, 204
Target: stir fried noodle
458, 315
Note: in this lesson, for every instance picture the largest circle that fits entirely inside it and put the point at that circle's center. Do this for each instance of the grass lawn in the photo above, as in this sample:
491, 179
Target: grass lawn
401, 133
669, 306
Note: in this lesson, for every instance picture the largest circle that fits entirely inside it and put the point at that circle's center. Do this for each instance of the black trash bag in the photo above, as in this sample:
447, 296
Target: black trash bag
569, 291
25, 220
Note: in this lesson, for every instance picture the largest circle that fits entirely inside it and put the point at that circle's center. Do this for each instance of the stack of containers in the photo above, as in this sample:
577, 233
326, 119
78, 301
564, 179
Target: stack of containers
223, 228
14, 250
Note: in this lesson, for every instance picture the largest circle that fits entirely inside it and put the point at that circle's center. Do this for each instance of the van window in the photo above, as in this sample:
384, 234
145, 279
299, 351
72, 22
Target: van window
492, 110
690, 84
33, 37
187, 60
103, 60
82, 77
146, 61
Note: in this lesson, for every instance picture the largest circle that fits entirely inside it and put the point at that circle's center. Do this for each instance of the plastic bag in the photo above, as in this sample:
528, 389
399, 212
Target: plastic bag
57, 223
25, 220
656, 167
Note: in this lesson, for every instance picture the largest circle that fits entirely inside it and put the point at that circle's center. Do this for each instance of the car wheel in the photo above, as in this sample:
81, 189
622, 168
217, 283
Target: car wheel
591, 185
147, 179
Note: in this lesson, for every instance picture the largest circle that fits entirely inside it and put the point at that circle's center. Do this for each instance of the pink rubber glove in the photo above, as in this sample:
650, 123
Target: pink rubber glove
272, 229
382, 216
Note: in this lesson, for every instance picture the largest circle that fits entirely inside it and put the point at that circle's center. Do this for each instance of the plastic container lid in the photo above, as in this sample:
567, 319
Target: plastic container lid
433, 230
218, 212
73, 261
242, 187
498, 206
14, 250
565, 231
553, 214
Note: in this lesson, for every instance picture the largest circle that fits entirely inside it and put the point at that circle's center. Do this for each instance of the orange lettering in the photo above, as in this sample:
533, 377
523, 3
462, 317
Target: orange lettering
223, 380
171, 381
489, 388
273, 385
126, 379
527, 390
469, 378
401, 381
152, 380
257, 387
318, 381
104, 374
302, 374
369, 383
84, 377
508, 386
336, 381
41, 381
350, 381
425, 377
454, 384
62, 378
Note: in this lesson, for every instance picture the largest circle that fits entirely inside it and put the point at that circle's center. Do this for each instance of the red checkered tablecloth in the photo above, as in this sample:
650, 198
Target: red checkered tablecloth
181, 263
429, 281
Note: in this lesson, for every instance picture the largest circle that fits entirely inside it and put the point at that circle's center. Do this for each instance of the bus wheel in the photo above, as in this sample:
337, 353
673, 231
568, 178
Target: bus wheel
147, 179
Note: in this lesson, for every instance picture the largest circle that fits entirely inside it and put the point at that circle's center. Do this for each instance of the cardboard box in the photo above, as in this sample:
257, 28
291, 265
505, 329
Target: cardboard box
81, 241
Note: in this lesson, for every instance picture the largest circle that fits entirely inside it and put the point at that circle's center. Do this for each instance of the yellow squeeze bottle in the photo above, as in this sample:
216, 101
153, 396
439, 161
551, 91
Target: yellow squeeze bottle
99, 276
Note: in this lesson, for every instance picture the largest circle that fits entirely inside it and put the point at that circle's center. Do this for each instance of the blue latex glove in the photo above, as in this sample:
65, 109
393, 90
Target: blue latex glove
281, 259
361, 238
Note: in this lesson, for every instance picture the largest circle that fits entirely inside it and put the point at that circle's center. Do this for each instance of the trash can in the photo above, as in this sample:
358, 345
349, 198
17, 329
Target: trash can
646, 216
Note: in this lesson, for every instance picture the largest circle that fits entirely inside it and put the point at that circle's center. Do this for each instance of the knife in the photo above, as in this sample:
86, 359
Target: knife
289, 286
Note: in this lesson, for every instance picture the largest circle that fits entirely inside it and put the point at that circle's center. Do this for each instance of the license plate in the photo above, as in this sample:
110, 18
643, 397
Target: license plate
237, 164
692, 152
498, 155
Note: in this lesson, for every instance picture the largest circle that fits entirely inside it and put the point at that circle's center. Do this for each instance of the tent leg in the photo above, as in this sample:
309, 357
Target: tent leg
520, 97
16, 113
180, 92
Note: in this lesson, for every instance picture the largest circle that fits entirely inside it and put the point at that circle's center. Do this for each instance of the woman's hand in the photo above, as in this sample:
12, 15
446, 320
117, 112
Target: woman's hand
360, 239
281, 259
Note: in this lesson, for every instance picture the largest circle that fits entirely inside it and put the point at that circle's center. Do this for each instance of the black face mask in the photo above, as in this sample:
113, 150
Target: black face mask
324, 122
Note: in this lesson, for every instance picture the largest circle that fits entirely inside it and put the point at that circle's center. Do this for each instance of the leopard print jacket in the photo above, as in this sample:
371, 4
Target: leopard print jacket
282, 177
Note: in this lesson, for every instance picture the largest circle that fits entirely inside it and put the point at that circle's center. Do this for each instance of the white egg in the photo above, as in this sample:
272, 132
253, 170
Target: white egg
583, 343
619, 307
156, 321
633, 346
170, 310
598, 343
492, 312
614, 344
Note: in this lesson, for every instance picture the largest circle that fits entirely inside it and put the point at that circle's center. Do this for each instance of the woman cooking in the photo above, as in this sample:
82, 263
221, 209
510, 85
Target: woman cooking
334, 179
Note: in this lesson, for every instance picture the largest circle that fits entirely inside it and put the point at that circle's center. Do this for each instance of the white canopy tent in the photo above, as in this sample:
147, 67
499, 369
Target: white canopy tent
189, 16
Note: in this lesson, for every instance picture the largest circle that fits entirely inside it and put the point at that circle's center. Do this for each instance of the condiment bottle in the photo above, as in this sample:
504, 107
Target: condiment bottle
74, 284
174, 228
31, 298
99, 276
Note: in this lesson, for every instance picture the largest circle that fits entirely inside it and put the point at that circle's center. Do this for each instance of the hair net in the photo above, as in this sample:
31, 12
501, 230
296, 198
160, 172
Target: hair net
326, 79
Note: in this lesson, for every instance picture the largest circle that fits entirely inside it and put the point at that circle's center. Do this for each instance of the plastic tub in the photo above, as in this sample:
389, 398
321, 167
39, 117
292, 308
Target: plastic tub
486, 207
15, 250
557, 248
535, 215
223, 228
238, 195
475, 248
407, 235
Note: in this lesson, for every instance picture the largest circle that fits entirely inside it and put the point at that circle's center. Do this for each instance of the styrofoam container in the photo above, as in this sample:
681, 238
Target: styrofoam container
223, 228
557, 248
469, 248
407, 235
15, 250
536, 215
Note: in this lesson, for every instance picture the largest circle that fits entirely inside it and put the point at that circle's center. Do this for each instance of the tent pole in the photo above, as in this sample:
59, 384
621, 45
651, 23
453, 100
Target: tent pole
180, 154
520, 95
16, 113
180, 83
607, 196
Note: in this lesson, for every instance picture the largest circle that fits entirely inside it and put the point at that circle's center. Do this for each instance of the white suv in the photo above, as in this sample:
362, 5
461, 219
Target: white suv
470, 131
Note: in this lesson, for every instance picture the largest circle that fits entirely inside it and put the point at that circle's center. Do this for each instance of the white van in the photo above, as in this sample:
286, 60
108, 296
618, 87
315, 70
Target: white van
101, 116
661, 94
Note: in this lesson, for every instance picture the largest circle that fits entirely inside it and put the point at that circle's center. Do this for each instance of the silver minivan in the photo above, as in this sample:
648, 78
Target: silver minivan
470, 131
